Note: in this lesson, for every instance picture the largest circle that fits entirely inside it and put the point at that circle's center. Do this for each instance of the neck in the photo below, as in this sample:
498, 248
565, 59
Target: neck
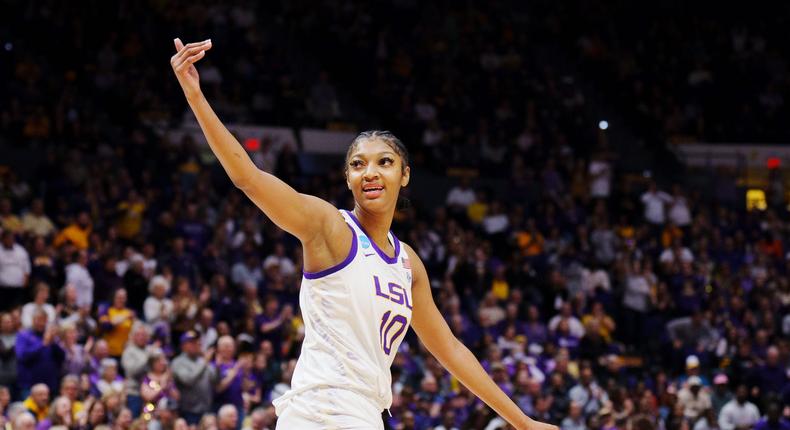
376, 225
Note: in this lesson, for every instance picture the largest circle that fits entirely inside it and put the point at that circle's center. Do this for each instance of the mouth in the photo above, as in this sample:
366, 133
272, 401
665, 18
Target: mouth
372, 191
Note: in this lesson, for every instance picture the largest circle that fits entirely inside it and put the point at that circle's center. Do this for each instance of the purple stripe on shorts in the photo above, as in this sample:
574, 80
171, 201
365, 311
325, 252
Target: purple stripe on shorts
385, 257
351, 254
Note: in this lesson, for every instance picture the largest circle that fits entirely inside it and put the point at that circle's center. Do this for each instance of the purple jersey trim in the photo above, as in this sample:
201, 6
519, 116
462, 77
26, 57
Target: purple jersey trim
351, 254
387, 259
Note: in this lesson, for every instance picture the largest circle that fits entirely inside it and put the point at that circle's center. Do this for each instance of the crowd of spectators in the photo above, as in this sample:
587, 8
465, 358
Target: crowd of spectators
141, 290
145, 300
687, 71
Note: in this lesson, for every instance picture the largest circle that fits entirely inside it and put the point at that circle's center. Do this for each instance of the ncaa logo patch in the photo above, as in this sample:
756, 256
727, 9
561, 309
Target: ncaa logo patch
364, 241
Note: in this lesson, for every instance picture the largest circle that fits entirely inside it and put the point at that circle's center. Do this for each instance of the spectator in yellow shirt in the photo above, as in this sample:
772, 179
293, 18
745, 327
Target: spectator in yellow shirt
606, 324
117, 323
38, 401
530, 240
499, 284
131, 216
36, 222
479, 209
76, 233
9, 221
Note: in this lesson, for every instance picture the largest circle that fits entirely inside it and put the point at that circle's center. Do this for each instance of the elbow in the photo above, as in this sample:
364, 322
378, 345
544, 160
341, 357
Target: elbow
243, 177
240, 182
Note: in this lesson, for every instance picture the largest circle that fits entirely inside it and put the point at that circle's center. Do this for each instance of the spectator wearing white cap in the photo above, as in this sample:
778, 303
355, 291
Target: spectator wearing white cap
693, 369
693, 398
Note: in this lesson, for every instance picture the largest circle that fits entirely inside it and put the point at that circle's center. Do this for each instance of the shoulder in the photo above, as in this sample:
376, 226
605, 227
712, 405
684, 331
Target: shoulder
414, 258
409, 250
419, 274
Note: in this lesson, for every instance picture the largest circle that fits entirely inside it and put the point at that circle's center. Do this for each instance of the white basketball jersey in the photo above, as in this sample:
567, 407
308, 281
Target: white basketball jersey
356, 315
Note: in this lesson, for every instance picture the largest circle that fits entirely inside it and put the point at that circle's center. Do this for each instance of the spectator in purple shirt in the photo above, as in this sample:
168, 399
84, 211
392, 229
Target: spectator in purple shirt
39, 357
229, 390
771, 377
773, 419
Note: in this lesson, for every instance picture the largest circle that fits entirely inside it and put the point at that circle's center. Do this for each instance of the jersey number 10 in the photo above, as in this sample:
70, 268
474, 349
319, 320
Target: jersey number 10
390, 329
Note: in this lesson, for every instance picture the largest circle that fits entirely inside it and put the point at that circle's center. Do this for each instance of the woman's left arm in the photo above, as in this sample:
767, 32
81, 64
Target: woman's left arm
437, 337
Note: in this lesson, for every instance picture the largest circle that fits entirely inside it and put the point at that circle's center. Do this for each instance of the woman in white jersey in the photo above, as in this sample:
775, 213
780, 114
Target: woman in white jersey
362, 288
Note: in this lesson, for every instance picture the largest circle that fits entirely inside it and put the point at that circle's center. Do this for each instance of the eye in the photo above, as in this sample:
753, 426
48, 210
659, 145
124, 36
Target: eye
386, 161
355, 163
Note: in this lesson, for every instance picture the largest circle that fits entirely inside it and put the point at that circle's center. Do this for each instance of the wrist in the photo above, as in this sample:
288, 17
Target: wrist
193, 97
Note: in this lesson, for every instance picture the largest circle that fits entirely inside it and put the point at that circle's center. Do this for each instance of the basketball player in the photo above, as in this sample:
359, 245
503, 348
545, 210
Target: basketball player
362, 287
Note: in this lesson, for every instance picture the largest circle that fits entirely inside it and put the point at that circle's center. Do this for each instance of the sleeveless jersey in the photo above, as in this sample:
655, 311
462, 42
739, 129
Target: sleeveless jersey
356, 315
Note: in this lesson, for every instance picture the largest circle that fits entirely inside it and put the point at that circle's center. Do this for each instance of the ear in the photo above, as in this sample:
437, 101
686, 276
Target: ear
406, 176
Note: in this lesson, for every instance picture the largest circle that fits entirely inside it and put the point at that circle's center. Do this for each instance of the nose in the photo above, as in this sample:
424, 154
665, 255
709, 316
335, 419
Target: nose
371, 172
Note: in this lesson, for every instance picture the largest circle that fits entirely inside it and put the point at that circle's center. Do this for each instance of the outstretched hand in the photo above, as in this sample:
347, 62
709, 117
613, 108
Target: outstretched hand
183, 63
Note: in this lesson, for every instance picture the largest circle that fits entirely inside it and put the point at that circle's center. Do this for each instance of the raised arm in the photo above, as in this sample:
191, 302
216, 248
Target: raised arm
302, 215
437, 337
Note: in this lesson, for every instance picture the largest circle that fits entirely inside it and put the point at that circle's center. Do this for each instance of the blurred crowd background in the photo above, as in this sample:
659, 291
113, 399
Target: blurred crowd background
141, 290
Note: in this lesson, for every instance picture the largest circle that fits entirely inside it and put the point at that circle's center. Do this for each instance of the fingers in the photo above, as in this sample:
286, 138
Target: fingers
196, 57
180, 45
185, 63
187, 52
190, 50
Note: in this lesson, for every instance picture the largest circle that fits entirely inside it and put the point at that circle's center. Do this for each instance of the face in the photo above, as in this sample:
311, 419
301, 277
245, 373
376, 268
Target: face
40, 322
191, 347
97, 413
271, 306
70, 335
83, 219
160, 290
140, 337
209, 422
26, 424
375, 175
42, 295
40, 395
124, 418
230, 419
742, 393
110, 372
101, 349
257, 420
5, 397
8, 240
120, 298
69, 389
160, 365
225, 347
180, 424
63, 406
6, 323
